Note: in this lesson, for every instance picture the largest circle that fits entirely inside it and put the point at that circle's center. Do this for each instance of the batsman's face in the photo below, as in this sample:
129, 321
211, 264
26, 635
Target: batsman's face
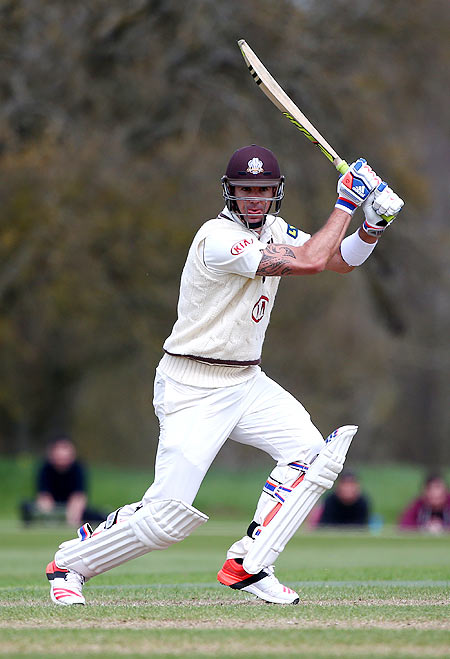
254, 201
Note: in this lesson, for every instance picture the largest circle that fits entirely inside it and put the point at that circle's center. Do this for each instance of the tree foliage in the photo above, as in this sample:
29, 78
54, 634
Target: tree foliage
116, 121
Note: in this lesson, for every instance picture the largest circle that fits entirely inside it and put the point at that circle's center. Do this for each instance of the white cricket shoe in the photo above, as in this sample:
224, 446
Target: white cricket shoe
264, 585
65, 585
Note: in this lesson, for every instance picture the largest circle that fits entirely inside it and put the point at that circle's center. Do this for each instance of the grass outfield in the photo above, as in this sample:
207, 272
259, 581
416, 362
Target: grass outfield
362, 595
223, 493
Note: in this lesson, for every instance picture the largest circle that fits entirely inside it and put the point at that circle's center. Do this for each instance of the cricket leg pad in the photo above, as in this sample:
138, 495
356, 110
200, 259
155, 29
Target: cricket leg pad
157, 525
319, 476
280, 482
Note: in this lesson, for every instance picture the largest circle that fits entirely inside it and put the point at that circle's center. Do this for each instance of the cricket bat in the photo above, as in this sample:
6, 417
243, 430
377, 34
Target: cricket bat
278, 96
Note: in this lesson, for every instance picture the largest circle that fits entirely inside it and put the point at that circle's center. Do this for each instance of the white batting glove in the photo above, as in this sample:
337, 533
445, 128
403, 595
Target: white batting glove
380, 209
356, 185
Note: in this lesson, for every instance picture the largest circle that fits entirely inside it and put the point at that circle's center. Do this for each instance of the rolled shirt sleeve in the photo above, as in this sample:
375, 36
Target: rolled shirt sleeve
238, 254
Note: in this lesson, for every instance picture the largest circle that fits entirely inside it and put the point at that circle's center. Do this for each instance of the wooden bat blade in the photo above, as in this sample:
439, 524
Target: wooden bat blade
281, 100
278, 96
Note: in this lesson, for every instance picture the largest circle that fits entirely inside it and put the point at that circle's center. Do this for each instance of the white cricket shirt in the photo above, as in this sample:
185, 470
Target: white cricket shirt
224, 308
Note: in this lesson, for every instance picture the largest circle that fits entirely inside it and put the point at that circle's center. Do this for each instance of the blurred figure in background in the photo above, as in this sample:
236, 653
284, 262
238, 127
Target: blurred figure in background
61, 488
346, 505
431, 510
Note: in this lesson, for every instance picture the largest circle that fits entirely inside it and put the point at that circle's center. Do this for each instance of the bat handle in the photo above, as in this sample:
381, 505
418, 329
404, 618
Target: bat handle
341, 165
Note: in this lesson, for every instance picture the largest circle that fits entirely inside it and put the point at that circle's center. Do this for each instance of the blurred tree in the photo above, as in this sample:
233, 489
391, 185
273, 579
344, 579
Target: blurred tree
116, 120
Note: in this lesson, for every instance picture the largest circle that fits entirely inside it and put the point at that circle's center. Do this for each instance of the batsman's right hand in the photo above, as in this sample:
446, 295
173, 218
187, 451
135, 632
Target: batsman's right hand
380, 209
356, 185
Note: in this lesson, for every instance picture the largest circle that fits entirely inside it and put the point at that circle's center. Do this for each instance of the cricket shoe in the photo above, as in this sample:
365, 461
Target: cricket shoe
264, 585
65, 585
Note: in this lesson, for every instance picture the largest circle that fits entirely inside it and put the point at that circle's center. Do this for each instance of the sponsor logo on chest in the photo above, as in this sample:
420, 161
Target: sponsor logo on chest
239, 247
259, 309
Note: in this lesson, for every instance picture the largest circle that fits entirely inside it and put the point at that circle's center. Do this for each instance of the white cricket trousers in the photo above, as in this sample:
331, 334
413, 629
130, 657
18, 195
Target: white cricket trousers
195, 422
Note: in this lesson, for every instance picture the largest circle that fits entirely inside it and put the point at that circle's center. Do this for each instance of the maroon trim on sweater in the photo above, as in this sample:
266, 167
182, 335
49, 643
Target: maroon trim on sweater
217, 362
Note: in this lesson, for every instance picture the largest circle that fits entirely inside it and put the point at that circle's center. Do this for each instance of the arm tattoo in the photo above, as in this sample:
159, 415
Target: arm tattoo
276, 261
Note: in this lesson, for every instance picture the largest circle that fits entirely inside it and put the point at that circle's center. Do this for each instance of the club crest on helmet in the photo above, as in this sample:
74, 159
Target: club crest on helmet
255, 166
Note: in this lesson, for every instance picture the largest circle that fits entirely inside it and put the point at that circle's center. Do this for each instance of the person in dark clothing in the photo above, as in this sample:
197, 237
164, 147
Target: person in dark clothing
346, 506
61, 488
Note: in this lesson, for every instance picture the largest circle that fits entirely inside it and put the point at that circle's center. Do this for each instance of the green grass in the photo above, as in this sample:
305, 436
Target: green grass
362, 595
367, 594
390, 487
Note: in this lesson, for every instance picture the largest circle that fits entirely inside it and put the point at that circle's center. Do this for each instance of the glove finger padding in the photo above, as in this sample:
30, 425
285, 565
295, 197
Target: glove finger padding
380, 209
356, 185
386, 202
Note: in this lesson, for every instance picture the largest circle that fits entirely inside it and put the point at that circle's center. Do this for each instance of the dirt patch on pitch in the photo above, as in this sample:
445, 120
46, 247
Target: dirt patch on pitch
224, 624
245, 603
231, 648
393, 601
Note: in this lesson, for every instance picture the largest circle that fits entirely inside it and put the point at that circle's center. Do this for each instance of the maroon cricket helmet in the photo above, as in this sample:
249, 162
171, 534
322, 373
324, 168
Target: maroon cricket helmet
253, 165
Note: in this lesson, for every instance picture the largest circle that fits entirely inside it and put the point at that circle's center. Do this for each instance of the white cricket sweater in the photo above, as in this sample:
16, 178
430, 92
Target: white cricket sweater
223, 316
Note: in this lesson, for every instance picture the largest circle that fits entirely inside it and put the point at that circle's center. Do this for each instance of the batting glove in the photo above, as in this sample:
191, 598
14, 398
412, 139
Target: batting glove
356, 185
380, 209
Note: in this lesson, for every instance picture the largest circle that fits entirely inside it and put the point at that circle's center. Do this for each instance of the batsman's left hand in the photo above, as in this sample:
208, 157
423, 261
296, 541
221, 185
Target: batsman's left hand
380, 209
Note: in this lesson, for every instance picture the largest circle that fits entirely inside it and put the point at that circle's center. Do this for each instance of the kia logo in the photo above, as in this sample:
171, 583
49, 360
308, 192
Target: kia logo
240, 246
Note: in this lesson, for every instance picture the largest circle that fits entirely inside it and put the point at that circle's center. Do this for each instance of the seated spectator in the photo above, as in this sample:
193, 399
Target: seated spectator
431, 510
61, 488
345, 506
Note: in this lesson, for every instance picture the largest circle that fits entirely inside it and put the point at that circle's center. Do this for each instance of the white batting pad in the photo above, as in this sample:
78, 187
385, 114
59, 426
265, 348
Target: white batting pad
157, 525
320, 476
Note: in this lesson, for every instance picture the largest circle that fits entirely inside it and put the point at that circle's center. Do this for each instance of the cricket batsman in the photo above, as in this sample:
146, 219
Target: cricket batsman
209, 386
